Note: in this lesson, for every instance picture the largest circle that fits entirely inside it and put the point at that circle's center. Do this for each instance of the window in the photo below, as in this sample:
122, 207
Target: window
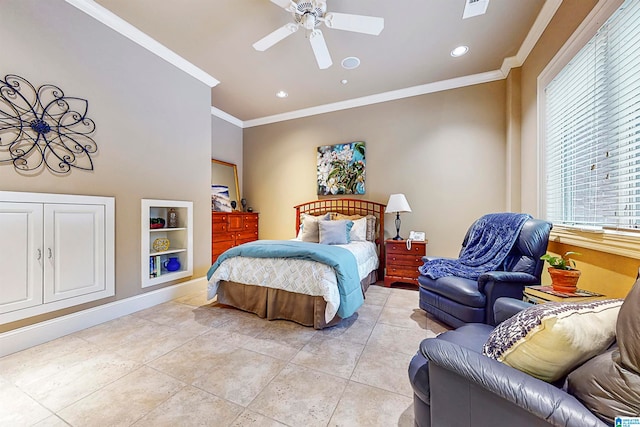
592, 129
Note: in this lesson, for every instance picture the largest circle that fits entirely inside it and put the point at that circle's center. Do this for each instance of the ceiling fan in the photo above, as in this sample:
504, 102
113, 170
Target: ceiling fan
309, 14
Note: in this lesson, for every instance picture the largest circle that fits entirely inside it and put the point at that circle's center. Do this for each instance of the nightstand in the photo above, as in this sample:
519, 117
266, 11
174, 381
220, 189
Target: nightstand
402, 263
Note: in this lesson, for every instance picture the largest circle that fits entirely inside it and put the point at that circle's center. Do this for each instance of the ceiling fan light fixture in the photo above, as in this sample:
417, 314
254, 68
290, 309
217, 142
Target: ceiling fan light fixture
459, 51
309, 14
350, 63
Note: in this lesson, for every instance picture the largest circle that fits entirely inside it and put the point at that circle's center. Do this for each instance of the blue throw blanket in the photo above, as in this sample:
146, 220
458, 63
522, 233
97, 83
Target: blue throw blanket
490, 240
340, 259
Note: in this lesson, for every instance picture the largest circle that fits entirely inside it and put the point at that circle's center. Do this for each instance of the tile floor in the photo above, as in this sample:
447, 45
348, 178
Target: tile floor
187, 363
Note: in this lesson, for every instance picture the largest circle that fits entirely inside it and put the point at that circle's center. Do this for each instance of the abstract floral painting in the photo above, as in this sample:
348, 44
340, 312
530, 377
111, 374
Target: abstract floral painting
341, 168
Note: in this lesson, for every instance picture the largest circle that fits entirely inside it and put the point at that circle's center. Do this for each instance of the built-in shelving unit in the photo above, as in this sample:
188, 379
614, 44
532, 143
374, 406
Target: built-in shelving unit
154, 263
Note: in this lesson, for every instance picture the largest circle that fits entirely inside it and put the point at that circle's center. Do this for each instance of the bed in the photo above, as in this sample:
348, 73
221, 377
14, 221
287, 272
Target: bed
299, 287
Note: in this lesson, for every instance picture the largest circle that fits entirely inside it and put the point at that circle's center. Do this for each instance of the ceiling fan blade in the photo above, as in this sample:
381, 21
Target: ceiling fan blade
272, 38
320, 50
357, 23
282, 3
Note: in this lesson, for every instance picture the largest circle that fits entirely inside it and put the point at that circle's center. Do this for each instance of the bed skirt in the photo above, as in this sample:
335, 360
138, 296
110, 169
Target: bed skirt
275, 304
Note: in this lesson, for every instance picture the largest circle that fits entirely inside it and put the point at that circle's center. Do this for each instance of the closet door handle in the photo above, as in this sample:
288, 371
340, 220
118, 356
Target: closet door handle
39, 254
50, 253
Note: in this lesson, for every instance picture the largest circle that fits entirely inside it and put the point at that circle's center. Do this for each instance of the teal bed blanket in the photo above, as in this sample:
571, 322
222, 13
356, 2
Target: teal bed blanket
340, 259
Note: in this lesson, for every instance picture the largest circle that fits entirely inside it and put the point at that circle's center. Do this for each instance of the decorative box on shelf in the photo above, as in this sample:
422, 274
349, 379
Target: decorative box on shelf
402, 261
542, 294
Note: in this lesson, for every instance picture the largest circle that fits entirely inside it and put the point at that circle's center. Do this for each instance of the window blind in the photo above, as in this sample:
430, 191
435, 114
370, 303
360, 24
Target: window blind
592, 132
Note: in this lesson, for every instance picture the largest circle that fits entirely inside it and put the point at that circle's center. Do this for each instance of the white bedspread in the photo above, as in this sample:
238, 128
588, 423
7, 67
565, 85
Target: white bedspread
295, 275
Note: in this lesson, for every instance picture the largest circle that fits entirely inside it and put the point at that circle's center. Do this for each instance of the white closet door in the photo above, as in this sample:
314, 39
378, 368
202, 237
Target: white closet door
74, 245
20, 255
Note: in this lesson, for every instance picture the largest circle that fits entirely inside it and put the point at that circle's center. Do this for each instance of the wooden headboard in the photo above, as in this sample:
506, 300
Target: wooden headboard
348, 207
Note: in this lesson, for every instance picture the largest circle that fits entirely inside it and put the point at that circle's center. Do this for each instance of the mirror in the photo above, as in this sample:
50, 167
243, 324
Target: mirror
224, 186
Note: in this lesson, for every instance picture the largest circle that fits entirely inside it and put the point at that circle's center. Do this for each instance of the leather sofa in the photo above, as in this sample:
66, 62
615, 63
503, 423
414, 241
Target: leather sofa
455, 385
457, 301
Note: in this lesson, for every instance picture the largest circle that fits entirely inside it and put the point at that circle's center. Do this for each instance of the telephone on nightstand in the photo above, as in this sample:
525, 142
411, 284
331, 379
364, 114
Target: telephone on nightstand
418, 236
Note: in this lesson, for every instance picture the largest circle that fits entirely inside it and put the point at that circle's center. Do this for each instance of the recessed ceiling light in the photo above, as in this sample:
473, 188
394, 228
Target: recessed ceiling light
282, 94
344, 81
350, 62
459, 51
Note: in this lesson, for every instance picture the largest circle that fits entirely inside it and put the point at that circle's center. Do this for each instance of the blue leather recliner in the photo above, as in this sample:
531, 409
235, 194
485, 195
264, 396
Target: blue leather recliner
454, 384
457, 301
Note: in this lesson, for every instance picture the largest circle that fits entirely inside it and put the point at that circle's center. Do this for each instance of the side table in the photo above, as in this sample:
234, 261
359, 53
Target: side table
542, 294
402, 263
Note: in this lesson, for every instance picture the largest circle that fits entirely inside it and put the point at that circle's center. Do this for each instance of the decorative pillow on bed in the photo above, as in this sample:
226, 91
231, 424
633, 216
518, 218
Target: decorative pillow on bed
309, 227
548, 340
371, 230
335, 232
359, 230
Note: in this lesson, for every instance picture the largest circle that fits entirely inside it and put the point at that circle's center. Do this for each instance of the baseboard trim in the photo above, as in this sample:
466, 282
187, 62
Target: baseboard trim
32, 335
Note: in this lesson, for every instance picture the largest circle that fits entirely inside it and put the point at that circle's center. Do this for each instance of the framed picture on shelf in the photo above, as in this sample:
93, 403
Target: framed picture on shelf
220, 201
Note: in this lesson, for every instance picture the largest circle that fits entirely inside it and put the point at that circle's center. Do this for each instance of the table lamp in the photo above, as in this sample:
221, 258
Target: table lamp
397, 203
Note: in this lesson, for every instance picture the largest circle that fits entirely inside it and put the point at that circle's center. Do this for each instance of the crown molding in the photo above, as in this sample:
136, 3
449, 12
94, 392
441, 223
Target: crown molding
380, 97
116, 23
121, 26
547, 12
227, 117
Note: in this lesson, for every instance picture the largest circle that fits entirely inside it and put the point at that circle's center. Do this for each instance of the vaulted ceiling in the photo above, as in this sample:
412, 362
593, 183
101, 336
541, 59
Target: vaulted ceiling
410, 56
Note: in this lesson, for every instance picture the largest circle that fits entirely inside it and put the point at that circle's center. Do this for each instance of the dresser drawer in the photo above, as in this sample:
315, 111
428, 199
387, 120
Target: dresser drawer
250, 225
219, 227
244, 235
218, 247
217, 218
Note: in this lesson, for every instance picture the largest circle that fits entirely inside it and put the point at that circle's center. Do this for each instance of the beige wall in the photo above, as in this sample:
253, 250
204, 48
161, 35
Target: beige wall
445, 151
461, 145
153, 125
601, 272
226, 144
568, 17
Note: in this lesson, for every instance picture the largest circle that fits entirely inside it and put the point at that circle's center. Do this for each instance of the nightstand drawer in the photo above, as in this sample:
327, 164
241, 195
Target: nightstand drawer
403, 259
401, 248
403, 271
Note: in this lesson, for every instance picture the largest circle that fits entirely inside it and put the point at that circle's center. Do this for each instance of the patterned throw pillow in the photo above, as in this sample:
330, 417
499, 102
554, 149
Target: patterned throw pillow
548, 340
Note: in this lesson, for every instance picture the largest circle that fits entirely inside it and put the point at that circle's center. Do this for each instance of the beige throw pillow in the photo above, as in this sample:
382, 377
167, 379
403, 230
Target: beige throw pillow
548, 340
309, 227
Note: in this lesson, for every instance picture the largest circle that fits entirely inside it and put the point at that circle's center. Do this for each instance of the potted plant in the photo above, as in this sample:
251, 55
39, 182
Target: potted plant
564, 275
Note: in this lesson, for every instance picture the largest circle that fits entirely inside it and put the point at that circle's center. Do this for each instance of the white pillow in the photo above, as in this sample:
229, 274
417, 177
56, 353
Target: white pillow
359, 230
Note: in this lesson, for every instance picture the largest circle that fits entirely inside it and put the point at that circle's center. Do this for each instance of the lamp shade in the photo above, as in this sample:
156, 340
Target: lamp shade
397, 203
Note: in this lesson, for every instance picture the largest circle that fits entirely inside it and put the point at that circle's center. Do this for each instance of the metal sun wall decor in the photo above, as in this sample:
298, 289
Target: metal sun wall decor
44, 127
341, 168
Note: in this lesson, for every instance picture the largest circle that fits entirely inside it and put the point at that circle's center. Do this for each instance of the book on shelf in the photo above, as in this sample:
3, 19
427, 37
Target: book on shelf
548, 294
155, 266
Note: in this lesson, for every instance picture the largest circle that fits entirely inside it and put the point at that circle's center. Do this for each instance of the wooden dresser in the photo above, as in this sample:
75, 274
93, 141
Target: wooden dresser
229, 229
402, 263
